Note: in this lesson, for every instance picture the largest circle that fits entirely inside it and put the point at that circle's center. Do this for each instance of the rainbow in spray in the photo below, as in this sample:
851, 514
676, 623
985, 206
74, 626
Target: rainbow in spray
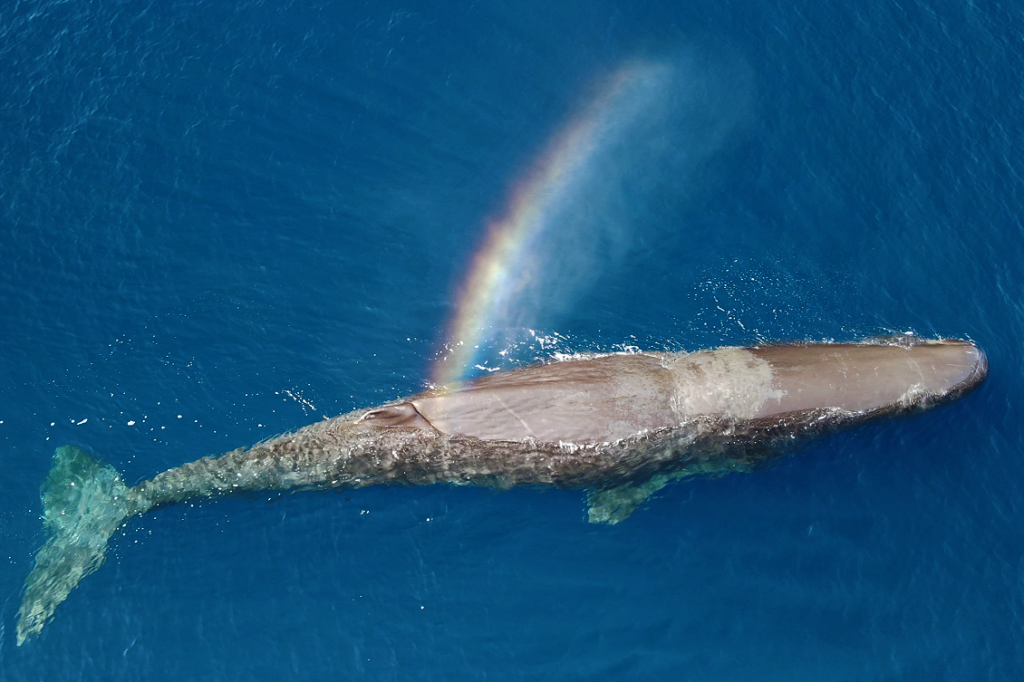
514, 256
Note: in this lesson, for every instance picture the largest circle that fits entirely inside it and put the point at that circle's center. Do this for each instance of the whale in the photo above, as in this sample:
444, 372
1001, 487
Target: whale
618, 426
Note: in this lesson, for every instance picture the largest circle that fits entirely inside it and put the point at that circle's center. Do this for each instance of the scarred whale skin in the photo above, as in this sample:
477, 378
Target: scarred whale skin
620, 426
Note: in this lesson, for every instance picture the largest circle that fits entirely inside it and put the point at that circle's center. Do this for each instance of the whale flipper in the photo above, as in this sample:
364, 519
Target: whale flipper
614, 505
84, 502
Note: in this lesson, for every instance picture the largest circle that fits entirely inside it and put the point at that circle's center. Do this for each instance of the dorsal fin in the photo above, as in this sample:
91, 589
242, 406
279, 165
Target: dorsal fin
399, 415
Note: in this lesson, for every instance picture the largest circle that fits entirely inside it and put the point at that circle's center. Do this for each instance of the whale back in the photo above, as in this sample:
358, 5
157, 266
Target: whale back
598, 399
612, 397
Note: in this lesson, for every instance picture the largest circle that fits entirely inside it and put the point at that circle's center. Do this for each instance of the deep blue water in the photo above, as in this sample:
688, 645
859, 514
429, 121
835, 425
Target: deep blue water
220, 221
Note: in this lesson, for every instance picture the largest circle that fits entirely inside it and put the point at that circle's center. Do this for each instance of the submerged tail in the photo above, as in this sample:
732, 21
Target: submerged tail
84, 502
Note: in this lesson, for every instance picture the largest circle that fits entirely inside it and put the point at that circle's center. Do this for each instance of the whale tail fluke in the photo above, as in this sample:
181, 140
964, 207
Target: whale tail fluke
84, 502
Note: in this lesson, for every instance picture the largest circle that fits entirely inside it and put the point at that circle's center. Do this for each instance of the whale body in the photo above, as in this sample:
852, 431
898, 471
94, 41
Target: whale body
619, 426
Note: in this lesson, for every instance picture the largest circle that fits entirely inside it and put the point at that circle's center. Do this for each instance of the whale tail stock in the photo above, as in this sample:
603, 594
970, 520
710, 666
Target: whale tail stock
84, 502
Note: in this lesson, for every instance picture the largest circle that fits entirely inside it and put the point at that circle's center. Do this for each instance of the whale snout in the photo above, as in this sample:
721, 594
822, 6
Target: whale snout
882, 375
962, 365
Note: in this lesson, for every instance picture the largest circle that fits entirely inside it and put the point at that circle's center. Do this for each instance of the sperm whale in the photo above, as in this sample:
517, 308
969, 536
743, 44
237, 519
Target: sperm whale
618, 426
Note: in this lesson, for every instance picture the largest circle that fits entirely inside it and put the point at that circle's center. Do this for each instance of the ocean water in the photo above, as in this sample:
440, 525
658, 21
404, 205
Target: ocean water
220, 221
